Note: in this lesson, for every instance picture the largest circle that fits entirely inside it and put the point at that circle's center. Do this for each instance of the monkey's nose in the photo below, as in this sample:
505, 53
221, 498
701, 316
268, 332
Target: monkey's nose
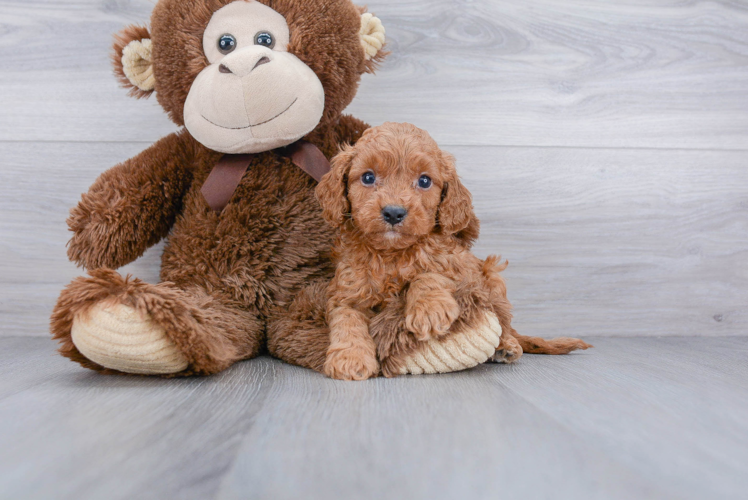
243, 62
394, 214
262, 61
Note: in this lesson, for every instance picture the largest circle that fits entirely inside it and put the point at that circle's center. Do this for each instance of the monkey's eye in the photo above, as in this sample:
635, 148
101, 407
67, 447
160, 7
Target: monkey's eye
424, 182
368, 179
265, 39
226, 43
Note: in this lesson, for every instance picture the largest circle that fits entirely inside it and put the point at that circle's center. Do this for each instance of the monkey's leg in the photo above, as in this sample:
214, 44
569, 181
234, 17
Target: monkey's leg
112, 324
298, 334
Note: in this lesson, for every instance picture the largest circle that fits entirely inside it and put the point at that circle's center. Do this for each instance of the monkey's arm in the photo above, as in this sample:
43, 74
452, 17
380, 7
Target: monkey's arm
131, 206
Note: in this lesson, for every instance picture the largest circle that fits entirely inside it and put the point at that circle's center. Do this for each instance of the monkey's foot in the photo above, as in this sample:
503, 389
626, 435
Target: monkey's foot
459, 351
118, 337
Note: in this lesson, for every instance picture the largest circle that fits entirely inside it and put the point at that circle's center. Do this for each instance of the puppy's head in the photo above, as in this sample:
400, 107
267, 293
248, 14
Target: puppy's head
396, 186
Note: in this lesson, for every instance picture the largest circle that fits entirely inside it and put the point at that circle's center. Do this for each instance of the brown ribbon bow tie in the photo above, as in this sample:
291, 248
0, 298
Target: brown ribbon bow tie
225, 177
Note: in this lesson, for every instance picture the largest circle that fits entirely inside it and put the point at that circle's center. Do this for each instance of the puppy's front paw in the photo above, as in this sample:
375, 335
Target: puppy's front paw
509, 351
427, 319
351, 363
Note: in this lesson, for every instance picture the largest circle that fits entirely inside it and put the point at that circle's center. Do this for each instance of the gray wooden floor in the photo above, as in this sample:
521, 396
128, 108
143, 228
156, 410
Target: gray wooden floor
633, 418
606, 146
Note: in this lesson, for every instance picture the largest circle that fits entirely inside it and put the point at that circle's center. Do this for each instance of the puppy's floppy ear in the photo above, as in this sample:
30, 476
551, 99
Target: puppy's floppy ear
133, 62
332, 190
456, 208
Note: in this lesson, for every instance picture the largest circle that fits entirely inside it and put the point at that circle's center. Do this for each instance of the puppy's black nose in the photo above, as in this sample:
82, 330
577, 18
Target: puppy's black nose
394, 214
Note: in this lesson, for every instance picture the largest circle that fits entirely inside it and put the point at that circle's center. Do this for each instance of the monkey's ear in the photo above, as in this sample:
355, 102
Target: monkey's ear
456, 209
372, 41
133, 62
332, 189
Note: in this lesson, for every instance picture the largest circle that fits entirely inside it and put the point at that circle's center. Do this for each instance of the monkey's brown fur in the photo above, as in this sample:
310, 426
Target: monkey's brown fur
418, 269
234, 282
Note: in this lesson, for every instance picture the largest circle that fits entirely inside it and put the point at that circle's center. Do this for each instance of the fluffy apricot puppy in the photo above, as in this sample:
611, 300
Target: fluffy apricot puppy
406, 223
406, 227
402, 201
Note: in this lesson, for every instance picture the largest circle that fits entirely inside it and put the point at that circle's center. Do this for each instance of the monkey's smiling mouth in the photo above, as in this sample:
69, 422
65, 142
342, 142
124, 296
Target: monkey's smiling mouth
250, 126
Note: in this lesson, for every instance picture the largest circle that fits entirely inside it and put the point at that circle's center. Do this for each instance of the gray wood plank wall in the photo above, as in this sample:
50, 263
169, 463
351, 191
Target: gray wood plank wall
605, 143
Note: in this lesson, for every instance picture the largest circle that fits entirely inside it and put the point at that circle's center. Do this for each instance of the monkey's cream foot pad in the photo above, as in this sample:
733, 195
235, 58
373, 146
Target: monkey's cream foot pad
117, 337
458, 352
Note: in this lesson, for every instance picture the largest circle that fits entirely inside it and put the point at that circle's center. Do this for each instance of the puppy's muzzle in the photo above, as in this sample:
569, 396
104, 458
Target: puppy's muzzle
394, 214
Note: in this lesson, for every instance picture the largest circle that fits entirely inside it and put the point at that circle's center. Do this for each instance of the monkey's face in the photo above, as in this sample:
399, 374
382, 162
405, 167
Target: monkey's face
254, 95
246, 76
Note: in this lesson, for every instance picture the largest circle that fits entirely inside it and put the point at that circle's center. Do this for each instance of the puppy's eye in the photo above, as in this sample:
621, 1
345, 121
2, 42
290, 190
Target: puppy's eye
424, 182
265, 39
368, 179
226, 43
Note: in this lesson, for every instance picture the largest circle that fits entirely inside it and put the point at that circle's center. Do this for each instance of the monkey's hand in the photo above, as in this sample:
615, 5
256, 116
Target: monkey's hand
131, 206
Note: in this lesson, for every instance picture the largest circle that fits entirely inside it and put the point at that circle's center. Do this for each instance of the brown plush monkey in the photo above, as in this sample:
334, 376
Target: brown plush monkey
247, 258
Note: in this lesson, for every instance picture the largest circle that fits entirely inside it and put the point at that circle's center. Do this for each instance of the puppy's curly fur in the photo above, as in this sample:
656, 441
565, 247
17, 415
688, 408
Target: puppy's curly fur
406, 227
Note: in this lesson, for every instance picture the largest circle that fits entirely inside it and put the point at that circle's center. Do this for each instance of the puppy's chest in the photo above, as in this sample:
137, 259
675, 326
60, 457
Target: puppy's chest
379, 285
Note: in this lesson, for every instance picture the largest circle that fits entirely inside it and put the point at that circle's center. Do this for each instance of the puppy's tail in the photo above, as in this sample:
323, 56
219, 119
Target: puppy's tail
492, 266
559, 345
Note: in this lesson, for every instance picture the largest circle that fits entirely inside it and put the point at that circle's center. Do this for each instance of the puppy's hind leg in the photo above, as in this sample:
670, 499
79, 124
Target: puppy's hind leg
514, 345
509, 350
